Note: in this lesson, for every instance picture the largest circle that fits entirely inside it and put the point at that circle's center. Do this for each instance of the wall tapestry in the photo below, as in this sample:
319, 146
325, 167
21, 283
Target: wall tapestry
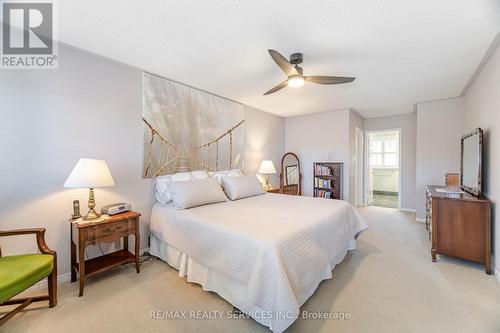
186, 129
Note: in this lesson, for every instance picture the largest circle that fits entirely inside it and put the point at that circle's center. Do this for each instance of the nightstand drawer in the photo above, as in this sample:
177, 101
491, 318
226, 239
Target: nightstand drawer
112, 230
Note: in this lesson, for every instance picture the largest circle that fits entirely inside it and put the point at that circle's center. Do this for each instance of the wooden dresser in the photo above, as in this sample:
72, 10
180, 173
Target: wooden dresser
459, 225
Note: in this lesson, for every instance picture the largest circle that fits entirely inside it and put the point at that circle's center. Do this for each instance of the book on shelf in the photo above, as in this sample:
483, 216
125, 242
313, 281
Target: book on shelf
323, 194
322, 170
324, 183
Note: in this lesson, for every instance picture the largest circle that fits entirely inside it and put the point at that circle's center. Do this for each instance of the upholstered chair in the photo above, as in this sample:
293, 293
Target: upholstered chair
19, 272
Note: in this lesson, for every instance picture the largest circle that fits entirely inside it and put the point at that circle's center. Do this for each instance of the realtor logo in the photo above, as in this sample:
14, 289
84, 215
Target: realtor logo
28, 35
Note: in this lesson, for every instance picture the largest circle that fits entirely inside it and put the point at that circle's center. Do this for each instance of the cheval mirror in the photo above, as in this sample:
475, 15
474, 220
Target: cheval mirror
290, 177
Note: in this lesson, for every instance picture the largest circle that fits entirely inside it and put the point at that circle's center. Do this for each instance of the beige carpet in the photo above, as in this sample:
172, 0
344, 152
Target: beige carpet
388, 284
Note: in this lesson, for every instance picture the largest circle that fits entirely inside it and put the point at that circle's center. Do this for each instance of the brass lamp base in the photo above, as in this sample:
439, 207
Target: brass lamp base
267, 185
91, 214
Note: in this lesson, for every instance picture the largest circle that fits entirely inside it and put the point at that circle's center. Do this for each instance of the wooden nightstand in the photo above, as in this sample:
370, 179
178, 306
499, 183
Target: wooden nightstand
108, 230
273, 190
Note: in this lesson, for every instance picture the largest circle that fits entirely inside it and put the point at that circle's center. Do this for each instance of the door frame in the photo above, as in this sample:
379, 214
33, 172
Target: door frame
359, 167
367, 161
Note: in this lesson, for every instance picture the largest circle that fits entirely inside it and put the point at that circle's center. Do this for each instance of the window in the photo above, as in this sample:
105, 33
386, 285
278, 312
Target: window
384, 153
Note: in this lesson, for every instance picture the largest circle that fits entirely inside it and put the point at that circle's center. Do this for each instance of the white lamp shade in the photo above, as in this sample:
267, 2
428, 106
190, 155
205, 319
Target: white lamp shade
89, 173
267, 167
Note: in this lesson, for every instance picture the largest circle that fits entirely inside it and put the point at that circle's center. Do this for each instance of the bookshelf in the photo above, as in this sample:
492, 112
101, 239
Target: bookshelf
327, 180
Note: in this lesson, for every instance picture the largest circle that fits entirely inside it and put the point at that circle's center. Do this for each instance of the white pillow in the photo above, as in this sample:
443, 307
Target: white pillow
228, 173
196, 193
242, 187
162, 192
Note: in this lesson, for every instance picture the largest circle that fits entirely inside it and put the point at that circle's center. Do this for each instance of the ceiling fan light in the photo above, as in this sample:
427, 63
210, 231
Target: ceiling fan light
296, 81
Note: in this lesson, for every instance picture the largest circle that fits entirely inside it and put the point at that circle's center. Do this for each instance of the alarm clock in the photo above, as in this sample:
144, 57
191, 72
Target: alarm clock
116, 208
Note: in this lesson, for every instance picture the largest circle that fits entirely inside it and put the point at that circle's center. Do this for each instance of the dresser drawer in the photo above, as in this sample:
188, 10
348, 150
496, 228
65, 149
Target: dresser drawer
112, 230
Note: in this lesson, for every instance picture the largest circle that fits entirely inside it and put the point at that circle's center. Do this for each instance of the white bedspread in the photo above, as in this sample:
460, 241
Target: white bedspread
280, 247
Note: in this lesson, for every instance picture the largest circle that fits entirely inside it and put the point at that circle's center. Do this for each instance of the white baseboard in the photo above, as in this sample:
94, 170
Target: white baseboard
497, 274
419, 219
408, 210
42, 285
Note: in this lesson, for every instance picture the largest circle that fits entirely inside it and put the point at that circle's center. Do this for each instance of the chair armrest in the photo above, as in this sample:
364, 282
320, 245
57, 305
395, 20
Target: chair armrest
21, 232
40, 237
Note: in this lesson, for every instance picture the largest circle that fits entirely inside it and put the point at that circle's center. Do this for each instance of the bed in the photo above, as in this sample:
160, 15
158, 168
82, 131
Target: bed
266, 254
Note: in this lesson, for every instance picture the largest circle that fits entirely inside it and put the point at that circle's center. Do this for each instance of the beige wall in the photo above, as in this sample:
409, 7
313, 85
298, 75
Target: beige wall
264, 140
89, 107
482, 109
320, 137
440, 125
329, 136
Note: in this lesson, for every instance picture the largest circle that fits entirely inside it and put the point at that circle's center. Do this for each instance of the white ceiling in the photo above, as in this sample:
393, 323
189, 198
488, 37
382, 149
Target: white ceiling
401, 52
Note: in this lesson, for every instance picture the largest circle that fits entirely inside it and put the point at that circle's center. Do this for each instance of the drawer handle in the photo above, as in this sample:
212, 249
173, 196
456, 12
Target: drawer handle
111, 230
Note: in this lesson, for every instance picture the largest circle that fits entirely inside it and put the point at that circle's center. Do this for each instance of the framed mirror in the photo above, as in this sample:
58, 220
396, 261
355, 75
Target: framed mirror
290, 178
471, 165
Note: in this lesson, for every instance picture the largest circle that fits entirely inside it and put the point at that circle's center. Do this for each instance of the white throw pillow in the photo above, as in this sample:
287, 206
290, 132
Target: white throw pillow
228, 173
162, 192
196, 193
242, 187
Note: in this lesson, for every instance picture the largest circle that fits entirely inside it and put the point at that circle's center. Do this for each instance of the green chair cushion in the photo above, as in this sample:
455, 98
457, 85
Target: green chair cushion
20, 272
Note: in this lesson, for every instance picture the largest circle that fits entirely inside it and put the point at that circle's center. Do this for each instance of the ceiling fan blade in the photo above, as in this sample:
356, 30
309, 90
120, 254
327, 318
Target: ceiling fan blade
278, 87
283, 63
329, 79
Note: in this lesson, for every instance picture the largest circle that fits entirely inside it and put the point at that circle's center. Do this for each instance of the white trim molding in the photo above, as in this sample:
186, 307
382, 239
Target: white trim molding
497, 274
42, 284
408, 210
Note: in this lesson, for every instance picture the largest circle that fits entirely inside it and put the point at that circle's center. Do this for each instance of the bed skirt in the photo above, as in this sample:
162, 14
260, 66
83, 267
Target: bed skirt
230, 290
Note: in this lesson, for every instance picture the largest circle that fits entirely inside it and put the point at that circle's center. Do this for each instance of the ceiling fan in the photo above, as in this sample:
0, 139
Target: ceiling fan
295, 73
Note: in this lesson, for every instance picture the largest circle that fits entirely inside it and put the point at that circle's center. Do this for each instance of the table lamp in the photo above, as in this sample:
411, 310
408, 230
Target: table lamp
267, 168
90, 173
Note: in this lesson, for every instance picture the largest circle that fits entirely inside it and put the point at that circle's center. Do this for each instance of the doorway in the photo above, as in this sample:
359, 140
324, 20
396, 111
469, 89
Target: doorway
383, 168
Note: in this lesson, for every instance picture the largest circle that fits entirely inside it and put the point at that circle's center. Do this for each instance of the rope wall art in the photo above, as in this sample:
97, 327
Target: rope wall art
186, 129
